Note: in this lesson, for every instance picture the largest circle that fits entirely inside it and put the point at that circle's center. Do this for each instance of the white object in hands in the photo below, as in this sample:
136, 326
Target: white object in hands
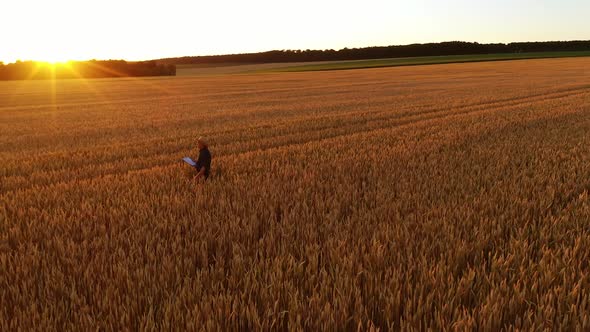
189, 161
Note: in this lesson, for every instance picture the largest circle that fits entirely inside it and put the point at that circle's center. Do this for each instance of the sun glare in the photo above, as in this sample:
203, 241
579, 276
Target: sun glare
55, 60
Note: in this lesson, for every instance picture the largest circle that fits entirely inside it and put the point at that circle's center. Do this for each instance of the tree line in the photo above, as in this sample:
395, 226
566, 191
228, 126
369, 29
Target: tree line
33, 70
400, 51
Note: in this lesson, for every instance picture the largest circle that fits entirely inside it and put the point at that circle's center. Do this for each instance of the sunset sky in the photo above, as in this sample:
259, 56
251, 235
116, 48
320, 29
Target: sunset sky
60, 30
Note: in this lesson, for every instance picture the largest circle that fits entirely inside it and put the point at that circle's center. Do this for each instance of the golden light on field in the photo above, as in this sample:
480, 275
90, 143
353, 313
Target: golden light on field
439, 197
418, 198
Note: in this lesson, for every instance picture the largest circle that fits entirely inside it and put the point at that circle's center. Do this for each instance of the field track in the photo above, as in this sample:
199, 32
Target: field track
444, 196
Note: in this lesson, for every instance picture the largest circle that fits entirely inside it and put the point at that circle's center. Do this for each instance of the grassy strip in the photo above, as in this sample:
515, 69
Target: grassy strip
431, 60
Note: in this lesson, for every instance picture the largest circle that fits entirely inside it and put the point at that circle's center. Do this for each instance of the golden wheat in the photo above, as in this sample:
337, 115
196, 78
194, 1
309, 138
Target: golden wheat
447, 197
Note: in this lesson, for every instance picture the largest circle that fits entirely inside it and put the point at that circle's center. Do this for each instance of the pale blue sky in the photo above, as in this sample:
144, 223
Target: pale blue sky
145, 29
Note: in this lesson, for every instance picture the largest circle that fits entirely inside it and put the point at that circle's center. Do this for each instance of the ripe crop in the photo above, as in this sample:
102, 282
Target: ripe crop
441, 197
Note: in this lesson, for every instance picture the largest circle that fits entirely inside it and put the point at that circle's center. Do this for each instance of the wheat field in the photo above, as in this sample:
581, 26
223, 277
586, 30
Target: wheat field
446, 197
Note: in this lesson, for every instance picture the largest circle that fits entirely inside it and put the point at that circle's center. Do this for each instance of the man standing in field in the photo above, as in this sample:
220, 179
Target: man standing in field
203, 164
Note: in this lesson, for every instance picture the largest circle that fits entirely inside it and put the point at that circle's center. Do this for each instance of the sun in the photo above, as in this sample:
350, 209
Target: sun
54, 58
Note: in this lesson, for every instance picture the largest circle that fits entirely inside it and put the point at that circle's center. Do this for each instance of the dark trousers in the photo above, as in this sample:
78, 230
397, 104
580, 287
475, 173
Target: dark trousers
198, 168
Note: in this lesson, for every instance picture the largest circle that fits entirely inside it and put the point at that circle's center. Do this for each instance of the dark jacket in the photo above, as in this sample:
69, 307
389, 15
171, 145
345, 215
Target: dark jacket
204, 161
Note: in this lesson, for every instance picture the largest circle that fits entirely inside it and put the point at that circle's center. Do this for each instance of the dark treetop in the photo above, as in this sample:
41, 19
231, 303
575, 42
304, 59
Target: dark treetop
382, 52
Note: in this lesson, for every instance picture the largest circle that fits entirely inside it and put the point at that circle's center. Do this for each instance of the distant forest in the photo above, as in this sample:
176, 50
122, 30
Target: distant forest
31, 70
414, 50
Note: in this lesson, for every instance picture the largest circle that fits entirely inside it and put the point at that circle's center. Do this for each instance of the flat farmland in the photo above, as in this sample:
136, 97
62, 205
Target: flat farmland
444, 197
237, 68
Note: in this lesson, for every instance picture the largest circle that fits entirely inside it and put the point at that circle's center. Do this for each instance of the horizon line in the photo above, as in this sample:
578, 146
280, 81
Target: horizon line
273, 50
